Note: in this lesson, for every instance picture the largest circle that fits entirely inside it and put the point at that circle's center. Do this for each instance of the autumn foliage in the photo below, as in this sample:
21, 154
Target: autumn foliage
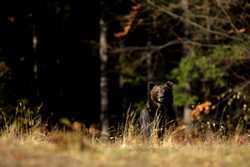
201, 109
128, 20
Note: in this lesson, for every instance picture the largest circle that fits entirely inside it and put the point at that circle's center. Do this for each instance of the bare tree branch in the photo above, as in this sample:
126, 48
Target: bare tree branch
165, 10
153, 48
227, 15
143, 48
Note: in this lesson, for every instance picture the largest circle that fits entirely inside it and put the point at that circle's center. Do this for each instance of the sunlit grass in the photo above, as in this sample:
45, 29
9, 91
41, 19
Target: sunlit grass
61, 148
25, 146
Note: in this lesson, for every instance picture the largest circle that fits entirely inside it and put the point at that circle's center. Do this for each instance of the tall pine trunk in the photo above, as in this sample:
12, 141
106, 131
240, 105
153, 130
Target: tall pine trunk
149, 55
104, 101
186, 51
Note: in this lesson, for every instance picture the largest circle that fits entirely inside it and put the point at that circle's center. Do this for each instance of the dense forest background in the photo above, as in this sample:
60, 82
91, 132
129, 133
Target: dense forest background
91, 61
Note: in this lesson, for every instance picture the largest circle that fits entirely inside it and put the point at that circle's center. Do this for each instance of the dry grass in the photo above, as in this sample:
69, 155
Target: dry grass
75, 149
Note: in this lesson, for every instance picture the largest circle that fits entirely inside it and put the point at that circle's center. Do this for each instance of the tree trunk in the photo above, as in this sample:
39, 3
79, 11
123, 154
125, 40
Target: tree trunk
186, 27
149, 55
103, 79
208, 20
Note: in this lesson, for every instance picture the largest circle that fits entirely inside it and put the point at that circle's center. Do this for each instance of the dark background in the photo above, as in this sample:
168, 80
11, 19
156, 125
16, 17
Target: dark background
62, 72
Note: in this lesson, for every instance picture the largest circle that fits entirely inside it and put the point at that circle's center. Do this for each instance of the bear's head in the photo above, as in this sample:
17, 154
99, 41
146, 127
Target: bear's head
161, 94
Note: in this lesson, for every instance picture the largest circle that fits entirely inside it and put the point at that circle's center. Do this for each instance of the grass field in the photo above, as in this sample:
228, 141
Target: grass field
64, 149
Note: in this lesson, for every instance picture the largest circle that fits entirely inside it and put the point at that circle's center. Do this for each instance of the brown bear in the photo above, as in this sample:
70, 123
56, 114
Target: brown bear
159, 113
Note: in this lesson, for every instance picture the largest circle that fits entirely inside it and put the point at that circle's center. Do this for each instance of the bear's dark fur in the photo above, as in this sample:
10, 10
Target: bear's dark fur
159, 111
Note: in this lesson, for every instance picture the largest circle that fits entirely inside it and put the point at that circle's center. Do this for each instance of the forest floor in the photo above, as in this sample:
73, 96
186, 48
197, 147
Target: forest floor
63, 149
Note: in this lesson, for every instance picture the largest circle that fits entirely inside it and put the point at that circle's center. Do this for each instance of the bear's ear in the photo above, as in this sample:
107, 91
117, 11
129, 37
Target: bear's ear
169, 84
151, 84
